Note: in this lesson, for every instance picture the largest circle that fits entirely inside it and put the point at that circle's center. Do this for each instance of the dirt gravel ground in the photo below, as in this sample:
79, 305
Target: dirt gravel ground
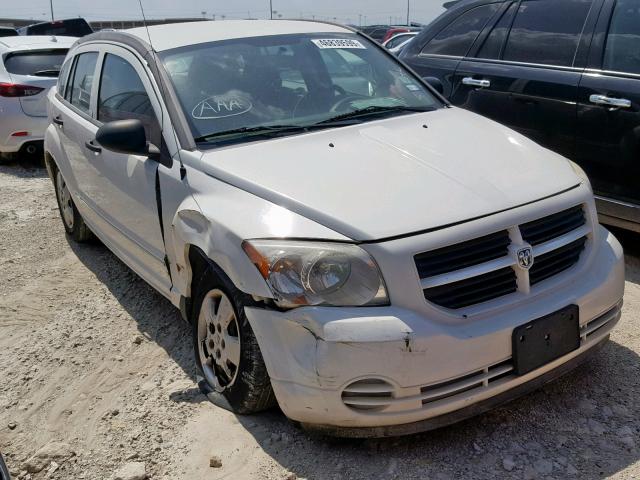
97, 368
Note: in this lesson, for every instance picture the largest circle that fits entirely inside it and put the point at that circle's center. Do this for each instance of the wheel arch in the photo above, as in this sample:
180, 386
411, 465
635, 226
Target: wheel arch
200, 243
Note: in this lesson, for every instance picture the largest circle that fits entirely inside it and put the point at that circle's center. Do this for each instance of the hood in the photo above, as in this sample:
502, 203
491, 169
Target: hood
395, 177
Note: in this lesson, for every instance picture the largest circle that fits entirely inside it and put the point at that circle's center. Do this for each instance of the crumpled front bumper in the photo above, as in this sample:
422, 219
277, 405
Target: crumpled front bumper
434, 369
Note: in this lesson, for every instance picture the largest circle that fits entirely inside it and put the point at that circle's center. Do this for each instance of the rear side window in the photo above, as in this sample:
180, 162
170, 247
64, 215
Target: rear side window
622, 53
123, 96
547, 31
79, 92
456, 38
492, 47
40, 63
64, 76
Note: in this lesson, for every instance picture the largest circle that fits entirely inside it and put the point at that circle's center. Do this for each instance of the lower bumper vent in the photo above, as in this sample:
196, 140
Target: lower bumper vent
368, 394
475, 380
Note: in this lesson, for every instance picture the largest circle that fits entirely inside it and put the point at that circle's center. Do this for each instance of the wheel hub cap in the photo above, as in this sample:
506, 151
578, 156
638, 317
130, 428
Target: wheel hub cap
64, 197
218, 340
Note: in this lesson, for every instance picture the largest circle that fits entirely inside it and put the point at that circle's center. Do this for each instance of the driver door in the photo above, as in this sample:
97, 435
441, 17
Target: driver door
125, 185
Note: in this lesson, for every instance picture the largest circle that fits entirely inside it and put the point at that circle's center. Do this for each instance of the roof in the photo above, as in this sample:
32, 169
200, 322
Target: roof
166, 37
34, 42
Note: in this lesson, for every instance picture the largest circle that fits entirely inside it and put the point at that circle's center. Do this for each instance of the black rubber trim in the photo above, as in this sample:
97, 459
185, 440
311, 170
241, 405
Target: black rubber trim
161, 221
461, 414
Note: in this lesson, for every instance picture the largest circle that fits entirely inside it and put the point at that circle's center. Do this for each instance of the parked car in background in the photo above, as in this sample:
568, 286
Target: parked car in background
8, 32
73, 27
399, 39
341, 240
396, 50
565, 73
382, 33
29, 66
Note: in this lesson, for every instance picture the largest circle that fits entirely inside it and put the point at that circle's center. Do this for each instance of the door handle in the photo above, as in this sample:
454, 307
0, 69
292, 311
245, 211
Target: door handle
93, 147
58, 121
474, 82
610, 102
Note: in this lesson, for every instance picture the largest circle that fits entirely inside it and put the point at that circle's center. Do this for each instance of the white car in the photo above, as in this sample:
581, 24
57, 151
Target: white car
396, 43
29, 66
343, 242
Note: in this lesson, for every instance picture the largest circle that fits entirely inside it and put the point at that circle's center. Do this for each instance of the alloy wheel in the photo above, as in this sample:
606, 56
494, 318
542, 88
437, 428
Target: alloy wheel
218, 340
66, 204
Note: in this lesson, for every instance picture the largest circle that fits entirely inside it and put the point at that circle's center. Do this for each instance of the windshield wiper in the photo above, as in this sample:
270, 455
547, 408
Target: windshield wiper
375, 110
266, 130
46, 73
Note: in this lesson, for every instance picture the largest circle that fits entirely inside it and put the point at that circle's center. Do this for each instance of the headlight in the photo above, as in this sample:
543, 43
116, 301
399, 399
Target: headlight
306, 273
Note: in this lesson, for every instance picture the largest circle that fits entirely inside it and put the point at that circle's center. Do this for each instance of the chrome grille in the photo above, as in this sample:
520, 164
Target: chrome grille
461, 255
474, 290
556, 261
486, 268
553, 226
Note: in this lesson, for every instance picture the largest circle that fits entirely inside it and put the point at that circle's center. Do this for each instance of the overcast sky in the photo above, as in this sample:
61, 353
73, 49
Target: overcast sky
345, 11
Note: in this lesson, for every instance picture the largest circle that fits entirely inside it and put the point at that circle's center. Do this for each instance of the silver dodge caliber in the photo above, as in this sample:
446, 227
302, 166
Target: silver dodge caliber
343, 242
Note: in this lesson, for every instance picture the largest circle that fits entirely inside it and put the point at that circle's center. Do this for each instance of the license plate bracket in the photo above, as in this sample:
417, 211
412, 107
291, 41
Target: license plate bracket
545, 339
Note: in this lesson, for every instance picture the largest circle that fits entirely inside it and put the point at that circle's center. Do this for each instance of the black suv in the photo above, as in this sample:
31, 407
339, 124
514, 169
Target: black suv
565, 73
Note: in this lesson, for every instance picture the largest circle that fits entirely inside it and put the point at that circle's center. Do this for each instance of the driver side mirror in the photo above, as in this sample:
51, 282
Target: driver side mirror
435, 83
127, 137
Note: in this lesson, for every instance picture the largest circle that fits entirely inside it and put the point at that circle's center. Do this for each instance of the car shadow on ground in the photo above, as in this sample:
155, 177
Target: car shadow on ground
24, 167
585, 425
157, 319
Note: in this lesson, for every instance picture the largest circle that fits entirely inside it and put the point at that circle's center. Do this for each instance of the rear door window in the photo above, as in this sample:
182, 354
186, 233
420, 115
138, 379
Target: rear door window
64, 76
456, 38
123, 96
547, 31
622, 52
39, 63
79, 92
492, 47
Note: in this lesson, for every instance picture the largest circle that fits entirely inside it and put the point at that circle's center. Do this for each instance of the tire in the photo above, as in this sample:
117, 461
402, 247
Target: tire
227, 354
71, 219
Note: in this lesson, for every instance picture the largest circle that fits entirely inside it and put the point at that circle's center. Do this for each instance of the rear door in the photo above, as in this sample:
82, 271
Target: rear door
524, 73
609, 110
36, 68
438, 51
73, 116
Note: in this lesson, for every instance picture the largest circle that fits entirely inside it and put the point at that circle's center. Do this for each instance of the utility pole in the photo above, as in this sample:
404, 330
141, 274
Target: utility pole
408, 5
360, 19
271, 8
51, 5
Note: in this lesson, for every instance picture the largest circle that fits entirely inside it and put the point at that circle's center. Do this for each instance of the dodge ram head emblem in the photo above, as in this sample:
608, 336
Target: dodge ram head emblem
525, 258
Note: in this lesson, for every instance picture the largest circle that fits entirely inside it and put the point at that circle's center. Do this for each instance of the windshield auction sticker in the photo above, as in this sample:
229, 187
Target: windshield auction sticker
338, 43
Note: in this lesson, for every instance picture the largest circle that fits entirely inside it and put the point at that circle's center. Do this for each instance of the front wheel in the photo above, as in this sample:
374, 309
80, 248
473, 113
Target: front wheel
71, 218
227, 353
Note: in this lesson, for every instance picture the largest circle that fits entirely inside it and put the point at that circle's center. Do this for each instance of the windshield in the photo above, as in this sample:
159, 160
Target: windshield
229, 89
